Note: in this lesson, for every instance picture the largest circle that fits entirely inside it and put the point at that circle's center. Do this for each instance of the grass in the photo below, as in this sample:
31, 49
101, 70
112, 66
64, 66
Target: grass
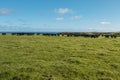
59, 58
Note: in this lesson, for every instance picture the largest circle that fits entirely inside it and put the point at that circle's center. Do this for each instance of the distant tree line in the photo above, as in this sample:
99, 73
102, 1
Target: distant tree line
72, 34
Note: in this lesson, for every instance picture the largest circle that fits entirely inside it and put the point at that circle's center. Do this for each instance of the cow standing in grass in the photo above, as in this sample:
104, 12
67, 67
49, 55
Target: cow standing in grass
3, 33
110, 36
95, 36
114, 36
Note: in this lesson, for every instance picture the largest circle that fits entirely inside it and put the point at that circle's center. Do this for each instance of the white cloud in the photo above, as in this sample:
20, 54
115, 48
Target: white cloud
105, 23
63, 10
4, 11
76, 17
91, 29
59, 19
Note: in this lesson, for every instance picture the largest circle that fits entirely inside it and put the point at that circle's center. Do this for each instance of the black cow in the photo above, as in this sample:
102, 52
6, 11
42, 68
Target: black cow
94, 36
13, 33
38, 34
20, 34
107, 36
29, 34
113, 36
3, 33
110, 35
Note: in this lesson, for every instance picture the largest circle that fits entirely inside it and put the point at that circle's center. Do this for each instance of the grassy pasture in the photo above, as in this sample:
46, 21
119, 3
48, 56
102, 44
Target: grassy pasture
59, 58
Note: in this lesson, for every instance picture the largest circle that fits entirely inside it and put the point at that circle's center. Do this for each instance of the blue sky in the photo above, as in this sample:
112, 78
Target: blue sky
60, 15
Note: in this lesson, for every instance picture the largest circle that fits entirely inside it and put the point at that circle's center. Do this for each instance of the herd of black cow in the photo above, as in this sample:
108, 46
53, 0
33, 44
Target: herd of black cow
93, 35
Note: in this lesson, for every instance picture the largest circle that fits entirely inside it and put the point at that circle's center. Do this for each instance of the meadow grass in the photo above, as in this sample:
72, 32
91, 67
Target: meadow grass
59, 58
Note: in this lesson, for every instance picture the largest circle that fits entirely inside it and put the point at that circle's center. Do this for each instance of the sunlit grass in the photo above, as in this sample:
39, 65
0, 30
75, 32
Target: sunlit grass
59, 58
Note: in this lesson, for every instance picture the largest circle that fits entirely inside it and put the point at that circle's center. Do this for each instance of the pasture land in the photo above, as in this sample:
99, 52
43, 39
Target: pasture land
59, 58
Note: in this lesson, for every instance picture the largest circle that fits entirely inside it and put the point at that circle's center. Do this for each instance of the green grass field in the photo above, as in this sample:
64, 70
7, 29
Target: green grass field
59, 58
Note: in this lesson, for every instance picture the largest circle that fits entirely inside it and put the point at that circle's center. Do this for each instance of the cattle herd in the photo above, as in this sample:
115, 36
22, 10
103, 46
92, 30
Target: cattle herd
68, 34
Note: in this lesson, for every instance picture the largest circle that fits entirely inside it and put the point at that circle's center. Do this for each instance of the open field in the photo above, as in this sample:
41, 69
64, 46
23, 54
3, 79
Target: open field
59, 58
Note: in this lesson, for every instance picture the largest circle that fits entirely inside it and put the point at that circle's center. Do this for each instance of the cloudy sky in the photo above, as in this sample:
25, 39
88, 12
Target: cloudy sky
60, 15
